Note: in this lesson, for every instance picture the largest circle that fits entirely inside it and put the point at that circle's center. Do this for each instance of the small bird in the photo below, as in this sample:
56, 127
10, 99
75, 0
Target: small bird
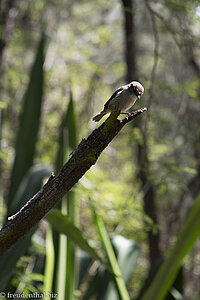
122, 99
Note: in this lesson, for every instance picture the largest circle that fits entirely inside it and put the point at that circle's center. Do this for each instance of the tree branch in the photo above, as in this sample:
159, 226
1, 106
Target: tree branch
84, 156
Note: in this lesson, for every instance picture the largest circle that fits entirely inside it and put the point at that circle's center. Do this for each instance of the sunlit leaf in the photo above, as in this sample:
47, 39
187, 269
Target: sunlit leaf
63, 224
116, 273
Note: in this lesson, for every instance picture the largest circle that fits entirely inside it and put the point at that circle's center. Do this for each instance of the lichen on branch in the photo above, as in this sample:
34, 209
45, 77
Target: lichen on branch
81, 160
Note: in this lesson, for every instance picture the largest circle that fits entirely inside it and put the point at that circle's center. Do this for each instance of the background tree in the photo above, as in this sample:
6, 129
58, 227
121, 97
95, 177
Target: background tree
93, 48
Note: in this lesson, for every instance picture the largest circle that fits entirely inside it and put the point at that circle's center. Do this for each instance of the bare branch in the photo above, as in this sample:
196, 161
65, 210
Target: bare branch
84, 156
167, 25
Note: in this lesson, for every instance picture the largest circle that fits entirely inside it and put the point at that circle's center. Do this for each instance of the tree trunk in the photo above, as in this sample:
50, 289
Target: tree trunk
143, 161
149, 201
129, 33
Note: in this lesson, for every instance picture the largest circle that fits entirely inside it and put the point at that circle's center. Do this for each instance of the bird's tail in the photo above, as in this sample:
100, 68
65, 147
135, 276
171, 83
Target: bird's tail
98, 117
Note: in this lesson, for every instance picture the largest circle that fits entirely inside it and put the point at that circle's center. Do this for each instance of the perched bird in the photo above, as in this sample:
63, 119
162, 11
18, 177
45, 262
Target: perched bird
122, 99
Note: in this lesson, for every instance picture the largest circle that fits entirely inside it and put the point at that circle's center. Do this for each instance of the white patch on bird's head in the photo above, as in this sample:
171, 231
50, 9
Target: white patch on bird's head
137, 88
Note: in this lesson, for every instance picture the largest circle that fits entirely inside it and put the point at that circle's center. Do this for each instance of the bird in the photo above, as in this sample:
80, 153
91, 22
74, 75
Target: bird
122, 99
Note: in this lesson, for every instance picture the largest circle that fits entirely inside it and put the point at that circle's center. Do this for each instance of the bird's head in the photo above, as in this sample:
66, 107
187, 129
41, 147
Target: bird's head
137, 88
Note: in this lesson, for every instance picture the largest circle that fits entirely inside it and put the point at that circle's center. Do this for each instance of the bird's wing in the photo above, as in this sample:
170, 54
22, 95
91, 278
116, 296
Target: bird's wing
113, 96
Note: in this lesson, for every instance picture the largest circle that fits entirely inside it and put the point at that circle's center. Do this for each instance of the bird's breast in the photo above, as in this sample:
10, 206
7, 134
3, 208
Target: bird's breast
123, 102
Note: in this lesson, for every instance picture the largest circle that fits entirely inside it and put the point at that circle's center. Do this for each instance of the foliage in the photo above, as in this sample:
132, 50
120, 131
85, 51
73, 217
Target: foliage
25, 181
185, 241
86, 51
29, 125
63, 224
65, 247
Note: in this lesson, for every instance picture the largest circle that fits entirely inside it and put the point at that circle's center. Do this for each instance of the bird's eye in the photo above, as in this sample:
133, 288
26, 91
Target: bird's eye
136, 91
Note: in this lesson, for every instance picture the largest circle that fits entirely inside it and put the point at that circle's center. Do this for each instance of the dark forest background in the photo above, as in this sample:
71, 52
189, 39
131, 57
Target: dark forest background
60, 60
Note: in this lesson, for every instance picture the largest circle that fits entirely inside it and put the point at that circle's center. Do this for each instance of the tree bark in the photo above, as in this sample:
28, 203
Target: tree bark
129, 33
149, 201
84, 156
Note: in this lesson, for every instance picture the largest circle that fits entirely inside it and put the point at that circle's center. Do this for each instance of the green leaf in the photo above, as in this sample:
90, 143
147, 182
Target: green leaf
176, 294
50, 258
168, 271
127, 254
63, 224
116, 273
29, 186
68, 135
1, 183
101, 284
29, 124
9, 259
65, 277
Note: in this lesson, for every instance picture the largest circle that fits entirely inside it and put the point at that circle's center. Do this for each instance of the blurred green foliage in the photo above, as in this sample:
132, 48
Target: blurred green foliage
85, 51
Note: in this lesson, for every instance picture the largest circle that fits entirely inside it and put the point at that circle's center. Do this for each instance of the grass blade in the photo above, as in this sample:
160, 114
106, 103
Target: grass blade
68, 135
66, 277
50, 258
62, 224
127, 253
117, 276
71, 276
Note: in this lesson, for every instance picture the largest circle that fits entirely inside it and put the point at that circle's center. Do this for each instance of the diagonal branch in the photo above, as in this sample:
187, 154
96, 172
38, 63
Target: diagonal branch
84, 156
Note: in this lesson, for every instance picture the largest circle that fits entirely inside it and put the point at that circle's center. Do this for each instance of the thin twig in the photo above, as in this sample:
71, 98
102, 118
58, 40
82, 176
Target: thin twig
182, 42
167, 25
